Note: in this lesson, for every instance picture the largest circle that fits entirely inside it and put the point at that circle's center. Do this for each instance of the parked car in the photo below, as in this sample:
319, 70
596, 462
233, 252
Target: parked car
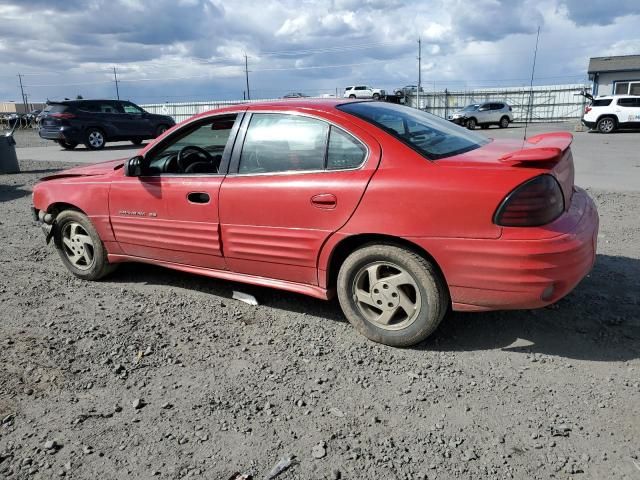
407, 90
401, 213
364, 91
295, 95
483, 114
96, 122
609, 113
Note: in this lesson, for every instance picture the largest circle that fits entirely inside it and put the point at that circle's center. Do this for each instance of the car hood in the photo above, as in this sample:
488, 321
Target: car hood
102, 168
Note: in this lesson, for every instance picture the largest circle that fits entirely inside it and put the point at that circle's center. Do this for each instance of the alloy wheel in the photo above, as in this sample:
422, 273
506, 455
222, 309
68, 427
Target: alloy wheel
96, 139
77, 246
606, 125
386, 295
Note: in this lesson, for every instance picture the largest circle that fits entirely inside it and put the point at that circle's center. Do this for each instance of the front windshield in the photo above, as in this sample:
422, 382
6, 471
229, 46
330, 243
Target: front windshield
470, 108
431, 136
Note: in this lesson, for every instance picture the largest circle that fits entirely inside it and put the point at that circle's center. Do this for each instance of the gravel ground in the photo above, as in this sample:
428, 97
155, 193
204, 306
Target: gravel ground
157, 374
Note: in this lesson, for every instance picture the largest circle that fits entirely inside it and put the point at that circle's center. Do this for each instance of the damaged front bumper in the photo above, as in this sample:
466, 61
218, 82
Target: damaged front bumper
46, 221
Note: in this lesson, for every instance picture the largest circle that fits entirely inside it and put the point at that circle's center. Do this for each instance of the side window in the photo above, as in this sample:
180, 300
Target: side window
627, 102
106, 107
361, 87
280, 143
497, 106
344, 151
484, 107
208, 141
131, 108
89, 107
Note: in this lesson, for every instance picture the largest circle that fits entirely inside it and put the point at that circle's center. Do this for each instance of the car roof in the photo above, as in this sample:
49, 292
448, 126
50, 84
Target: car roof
605, 97
308, 104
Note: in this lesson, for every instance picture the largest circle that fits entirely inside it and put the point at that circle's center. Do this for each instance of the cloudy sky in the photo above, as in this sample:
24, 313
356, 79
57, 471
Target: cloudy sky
181, 50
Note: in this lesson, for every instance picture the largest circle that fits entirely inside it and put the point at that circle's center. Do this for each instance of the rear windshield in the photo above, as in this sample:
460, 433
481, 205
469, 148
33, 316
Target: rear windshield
601, 103
431, 136
56, 108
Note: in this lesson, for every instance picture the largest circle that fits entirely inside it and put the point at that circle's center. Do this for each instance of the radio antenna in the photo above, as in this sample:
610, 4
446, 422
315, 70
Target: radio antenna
533, 69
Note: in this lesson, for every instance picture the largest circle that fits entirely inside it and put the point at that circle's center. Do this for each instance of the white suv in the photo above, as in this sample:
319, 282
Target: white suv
611, 112
363, 91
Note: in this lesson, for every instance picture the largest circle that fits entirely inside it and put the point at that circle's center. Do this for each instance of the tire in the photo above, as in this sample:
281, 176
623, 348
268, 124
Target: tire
77, 241
376, 96
161, 129
67, 145
471, 123
94, 139
504, 122
606, 125
420, 286
352, 96
136, 141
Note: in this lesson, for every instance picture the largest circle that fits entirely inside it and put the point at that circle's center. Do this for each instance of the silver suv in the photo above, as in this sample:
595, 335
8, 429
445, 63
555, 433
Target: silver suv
483, 114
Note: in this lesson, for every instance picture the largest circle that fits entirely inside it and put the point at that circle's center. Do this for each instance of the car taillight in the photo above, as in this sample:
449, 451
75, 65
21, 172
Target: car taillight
587, 110
65, 116
536, 202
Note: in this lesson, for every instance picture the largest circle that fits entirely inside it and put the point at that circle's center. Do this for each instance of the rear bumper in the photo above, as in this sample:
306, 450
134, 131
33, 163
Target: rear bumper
68, 134
588, 124
504, 274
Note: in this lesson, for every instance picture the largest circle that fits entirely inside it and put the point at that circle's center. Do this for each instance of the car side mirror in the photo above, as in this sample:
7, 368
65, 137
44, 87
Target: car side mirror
133, 166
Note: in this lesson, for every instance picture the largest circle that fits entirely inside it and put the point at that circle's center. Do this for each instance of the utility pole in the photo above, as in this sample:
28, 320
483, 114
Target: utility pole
246, 74
419, 71
115, 77
24, 100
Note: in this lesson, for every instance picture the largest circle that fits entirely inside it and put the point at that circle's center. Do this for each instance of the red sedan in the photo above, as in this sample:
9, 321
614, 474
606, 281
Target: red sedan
403, 214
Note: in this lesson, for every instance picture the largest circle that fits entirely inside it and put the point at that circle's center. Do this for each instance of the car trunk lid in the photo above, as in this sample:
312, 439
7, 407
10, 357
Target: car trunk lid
547, 152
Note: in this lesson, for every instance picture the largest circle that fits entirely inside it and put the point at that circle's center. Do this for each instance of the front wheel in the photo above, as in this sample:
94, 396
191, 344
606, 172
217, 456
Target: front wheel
80, 247
376, 96
391, 295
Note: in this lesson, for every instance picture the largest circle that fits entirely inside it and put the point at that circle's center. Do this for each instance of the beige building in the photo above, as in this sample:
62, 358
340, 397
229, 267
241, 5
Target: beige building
19, 107
615, 75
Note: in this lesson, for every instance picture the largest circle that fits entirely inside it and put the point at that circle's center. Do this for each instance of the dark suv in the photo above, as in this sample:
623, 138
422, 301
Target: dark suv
95, 122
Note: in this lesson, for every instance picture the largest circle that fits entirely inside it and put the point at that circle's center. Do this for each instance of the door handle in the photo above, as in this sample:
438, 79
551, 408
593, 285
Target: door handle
327, 201
198, 197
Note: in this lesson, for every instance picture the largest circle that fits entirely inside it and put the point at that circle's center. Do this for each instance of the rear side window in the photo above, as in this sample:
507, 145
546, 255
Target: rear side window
344, 151
130, 108
605, 102
629, 102
282, 143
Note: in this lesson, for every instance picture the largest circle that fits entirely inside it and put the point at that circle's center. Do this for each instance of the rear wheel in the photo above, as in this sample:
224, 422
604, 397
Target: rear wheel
80, 247
352, 96
471, 123
376, 96
504, 122
606, 125
67, 145
391, 295
94, 139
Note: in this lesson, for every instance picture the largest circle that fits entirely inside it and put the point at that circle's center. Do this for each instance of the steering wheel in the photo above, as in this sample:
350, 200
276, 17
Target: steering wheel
183, 165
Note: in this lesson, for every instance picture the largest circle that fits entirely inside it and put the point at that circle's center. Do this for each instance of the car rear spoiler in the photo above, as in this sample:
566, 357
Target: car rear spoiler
543, 148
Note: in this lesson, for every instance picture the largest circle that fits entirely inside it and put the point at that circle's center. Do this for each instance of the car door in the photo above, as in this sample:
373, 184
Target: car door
293, 181
484, 113
170, 212
628, 110
139, 121
362, 92
496, 112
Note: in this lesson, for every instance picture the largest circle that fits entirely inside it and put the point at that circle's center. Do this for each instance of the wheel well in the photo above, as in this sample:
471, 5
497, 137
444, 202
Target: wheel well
56, 208
504, 116
350, 244
608, 115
